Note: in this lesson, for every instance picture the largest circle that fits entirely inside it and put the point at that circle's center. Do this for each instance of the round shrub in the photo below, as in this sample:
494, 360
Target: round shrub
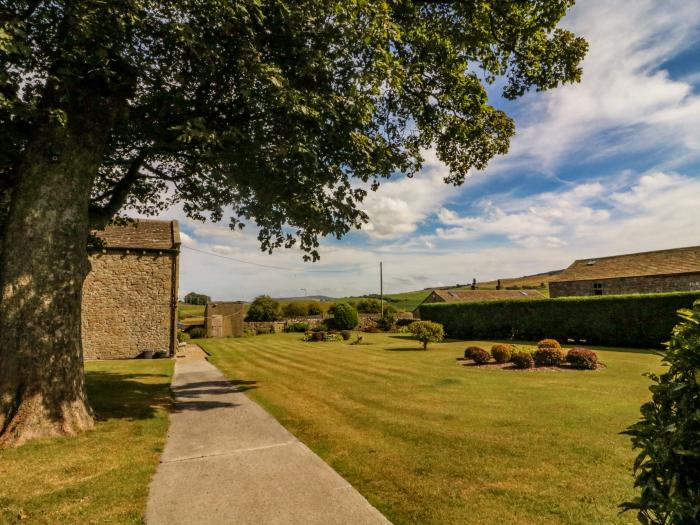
296, 327
319, 336
344, 316
427, 332
548, 343
523, 360
479, 355
549, 356
198, 332
502, 353
470, 350
582, 358
346, 334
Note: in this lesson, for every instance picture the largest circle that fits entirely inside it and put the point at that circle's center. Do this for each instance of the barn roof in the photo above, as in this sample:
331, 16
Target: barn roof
486, 295
661, 262
142, 234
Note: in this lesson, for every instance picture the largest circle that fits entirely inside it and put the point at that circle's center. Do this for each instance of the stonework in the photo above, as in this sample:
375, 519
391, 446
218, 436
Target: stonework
130, 300
224, 319
627, 285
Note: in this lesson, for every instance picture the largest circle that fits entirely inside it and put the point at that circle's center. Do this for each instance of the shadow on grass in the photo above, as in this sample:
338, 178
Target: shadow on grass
127, 396
406, 349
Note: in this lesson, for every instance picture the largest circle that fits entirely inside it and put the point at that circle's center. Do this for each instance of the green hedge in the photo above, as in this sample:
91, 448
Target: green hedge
642, 321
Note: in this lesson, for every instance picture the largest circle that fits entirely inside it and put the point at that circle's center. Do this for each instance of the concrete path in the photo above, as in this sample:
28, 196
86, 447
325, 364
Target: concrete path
227, 461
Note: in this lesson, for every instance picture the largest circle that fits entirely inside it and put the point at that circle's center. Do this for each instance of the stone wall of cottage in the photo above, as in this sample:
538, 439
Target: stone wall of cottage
127, 304
627, 285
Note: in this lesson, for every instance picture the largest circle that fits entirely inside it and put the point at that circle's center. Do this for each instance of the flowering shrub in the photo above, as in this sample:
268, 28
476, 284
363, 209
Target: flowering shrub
582, 358
523, 360
333, 337
502, 353
548, 343
548, 356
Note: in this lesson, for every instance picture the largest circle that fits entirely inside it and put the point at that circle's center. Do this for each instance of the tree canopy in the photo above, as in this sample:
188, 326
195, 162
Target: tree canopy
279, 113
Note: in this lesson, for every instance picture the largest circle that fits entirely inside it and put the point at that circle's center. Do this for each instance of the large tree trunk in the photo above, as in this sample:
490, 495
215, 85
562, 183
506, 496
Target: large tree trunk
44, 263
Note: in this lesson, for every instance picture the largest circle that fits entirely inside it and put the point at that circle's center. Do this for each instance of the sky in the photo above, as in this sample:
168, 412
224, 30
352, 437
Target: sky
604, 167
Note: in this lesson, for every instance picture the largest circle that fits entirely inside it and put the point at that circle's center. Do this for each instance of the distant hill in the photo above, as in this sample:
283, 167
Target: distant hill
306, 298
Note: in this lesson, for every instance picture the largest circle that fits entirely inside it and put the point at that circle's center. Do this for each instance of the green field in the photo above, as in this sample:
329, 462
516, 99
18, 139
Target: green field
186, 311
100, 476
431, 442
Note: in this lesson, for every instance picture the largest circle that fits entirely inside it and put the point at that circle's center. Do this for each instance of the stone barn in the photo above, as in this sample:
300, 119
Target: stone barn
475, 296
130, 294
224, 319
676, 270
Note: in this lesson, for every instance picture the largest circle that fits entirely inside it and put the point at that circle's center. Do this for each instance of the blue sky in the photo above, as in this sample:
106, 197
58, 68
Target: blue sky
607, 166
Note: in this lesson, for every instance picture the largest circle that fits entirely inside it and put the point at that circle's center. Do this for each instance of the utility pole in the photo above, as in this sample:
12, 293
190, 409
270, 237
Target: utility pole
381, 287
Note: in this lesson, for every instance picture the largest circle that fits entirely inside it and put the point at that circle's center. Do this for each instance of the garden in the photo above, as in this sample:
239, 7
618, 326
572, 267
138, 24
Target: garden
428, 441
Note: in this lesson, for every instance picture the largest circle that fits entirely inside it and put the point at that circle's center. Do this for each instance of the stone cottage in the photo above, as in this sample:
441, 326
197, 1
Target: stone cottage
675, 270
130, 294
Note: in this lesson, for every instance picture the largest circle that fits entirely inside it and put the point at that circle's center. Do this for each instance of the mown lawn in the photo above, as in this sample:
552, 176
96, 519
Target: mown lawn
431, 442
101, 476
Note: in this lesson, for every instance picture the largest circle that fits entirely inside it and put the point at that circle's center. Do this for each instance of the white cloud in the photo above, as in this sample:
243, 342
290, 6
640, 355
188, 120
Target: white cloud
622, 90
399, 206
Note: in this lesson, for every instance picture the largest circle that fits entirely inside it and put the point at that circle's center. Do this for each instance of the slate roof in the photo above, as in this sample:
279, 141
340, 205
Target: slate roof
142, 234
452, 296
661, 262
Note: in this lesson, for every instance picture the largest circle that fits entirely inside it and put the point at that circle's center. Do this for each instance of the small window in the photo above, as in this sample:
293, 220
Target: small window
597, 288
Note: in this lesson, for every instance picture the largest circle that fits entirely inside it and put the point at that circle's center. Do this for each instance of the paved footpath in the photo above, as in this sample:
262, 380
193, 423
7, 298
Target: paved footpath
227, 461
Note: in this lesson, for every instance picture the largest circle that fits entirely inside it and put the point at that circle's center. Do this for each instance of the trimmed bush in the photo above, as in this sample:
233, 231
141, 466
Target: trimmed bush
582, 358
479, 355
502, 353
548, 343
427, 332
296, 327
346, 334
344, 316
319, 336
641, 321
549, 356
523, 360
198, 332
470, 350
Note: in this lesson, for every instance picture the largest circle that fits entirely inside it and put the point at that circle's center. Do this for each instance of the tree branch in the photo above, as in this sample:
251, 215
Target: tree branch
101, 215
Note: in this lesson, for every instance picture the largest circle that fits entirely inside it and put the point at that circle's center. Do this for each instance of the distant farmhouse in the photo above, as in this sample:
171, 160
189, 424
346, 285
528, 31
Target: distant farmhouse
649, 272
130, 294
474, 296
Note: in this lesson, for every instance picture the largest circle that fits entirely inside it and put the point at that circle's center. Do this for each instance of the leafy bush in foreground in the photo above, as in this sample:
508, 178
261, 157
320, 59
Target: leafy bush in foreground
502, 353
549, 356
523, 360
427, 332
582, 358
667, 469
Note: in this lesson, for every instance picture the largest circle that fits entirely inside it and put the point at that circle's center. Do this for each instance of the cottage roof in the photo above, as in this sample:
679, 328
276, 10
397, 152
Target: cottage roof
142, 234
661, 262
486, 295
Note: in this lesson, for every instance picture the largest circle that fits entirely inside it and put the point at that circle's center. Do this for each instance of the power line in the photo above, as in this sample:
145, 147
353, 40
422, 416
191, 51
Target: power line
272, 267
